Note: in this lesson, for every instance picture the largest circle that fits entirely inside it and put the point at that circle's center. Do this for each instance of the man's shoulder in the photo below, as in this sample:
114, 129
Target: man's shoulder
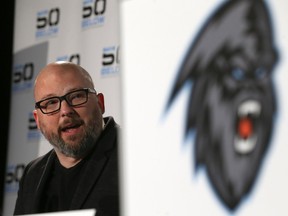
40, 161
110, 123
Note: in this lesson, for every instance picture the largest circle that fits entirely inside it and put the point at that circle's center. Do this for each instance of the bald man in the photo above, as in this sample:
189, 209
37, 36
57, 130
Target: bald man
81, 171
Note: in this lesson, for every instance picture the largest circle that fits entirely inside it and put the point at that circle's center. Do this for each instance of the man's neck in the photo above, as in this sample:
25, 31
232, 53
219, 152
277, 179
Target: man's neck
67, 162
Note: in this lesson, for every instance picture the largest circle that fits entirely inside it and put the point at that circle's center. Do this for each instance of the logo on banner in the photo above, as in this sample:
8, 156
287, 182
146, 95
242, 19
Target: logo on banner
33, 132
13, 175
75, 58
232, 102
23, 77
110, 61
47, 22
93, 13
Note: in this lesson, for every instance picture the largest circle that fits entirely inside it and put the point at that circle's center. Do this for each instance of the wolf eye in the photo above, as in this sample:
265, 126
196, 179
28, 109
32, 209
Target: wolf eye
238, 74
260, 73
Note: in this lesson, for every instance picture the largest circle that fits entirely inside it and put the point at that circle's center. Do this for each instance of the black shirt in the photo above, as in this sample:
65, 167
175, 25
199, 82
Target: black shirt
60, 187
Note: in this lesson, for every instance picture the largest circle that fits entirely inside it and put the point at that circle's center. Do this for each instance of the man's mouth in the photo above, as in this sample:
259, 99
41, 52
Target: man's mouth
70, 127
247, 117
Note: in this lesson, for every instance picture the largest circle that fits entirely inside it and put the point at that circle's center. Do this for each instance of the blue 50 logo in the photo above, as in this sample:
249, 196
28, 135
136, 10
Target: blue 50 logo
75, 58
13, 176
47, 22
48, 18
93, 13
110, 60
95, 8
23, 76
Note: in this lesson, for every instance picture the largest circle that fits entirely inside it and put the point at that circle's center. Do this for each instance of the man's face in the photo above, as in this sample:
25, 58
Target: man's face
72, 130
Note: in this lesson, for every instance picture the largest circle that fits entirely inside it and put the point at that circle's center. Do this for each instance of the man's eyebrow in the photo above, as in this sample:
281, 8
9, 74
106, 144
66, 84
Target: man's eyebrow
50, 95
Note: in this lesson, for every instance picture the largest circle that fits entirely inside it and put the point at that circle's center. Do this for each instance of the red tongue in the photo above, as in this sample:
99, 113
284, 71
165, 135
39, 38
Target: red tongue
245, 127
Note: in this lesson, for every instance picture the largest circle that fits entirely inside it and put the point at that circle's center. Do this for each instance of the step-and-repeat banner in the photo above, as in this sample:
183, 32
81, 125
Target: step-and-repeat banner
85, 32
205, 107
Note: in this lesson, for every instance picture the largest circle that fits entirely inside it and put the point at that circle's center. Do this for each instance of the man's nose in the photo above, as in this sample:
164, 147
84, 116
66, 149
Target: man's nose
65, 108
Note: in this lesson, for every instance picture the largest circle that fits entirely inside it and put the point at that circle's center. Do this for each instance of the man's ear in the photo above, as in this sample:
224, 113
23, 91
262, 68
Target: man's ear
100, 97
36, 118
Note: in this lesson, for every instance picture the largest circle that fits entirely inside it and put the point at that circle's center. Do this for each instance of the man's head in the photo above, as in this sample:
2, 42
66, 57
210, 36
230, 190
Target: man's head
72, 129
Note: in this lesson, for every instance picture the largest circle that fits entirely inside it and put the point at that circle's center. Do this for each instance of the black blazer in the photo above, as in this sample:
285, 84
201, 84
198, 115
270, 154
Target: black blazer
97, 189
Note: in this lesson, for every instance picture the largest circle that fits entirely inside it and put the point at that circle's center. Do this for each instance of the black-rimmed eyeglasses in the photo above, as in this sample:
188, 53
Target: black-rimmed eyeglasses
73, 98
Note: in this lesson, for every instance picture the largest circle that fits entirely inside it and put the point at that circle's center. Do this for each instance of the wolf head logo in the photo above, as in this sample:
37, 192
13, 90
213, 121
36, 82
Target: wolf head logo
232, 101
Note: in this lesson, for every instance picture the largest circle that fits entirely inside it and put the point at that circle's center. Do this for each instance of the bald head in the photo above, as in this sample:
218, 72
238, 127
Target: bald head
59, 71
75, 120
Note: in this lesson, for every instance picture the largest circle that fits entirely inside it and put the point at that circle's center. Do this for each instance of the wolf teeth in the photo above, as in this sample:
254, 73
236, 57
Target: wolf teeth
249, 107
245, 146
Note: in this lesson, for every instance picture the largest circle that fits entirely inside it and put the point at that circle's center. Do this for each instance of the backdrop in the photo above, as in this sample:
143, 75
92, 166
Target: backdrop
85, 32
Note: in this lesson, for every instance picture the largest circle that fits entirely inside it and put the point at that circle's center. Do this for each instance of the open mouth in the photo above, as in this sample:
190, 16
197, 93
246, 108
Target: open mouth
69, 127
247, 116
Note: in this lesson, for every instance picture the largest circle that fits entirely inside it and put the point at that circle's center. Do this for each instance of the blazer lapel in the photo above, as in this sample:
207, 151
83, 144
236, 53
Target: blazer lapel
95, 164
44, 176
89, 179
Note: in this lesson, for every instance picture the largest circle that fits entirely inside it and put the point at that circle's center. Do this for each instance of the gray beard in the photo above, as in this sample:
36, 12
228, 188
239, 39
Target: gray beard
77, 151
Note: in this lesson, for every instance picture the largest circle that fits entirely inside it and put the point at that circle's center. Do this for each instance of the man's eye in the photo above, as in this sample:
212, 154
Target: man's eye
50, 102
79, 95
76, 96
